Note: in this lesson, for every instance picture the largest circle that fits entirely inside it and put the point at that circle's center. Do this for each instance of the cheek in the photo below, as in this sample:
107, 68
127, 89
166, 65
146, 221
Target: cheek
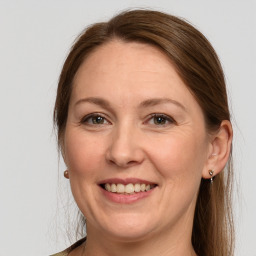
179, 163
82, 153
179, 156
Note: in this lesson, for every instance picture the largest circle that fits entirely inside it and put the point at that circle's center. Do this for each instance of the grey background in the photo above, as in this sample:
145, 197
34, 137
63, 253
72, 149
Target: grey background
34, 40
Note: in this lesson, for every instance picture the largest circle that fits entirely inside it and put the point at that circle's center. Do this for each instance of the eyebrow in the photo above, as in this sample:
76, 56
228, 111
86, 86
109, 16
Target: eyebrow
147, 103
157, 101
97, 101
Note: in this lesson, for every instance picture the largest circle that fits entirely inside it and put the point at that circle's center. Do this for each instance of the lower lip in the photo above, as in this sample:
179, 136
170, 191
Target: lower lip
126, 198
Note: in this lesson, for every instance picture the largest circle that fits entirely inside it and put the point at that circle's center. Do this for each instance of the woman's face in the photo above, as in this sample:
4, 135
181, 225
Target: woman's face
133, 125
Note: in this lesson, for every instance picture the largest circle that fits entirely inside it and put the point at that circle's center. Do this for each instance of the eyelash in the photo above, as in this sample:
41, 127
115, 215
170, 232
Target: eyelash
165, 118
85, 120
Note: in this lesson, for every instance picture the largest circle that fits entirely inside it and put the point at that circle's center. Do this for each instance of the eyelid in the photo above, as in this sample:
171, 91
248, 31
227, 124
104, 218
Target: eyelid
170, 119
91, 115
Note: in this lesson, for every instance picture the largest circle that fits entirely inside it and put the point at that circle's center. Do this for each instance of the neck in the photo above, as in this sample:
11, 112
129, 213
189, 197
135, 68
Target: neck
164, 244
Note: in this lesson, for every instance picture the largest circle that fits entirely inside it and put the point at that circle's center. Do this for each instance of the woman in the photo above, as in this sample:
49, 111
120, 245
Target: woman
144, 129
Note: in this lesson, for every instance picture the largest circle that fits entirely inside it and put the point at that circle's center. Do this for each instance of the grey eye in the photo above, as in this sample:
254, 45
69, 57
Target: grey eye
158, 120
98, 120
94, 119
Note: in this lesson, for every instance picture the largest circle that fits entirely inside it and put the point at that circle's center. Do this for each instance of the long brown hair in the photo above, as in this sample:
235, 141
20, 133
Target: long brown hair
198, 65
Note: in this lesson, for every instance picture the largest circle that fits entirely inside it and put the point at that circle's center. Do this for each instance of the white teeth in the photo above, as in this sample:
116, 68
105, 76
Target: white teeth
113, 188
107, 187
128, 189
137, 188
120, 188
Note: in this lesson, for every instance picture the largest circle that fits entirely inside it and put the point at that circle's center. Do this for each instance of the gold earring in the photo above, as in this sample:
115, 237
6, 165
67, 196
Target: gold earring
66, 174
211, 174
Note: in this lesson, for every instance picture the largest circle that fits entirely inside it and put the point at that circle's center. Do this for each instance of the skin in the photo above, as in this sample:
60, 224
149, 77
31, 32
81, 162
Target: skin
128, 142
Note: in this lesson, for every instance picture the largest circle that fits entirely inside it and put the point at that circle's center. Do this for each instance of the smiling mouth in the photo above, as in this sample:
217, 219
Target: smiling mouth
128, 189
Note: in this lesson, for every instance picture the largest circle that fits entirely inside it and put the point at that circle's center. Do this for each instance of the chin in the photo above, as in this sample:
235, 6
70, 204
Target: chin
129, 230
126, 235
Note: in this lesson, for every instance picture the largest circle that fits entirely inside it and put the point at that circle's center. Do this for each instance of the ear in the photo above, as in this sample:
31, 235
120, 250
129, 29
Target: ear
220, 148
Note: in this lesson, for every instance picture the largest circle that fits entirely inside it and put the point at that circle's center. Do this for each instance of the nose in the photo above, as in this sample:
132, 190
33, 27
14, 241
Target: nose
125, 149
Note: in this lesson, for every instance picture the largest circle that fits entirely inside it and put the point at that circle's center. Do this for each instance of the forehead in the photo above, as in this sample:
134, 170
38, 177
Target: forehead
124, 52
128, 70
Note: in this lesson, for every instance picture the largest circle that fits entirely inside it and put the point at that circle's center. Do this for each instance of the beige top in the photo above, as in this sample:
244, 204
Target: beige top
69, 249
64, 253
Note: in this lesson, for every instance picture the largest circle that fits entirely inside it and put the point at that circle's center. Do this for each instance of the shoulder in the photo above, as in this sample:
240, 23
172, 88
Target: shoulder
71, 248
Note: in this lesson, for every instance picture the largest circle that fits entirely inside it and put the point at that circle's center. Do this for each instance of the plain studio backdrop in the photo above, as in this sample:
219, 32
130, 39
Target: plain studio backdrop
35, 37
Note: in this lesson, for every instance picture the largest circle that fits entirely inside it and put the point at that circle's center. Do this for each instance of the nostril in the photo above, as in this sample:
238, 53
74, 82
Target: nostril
124, 151
123, 164
130, 163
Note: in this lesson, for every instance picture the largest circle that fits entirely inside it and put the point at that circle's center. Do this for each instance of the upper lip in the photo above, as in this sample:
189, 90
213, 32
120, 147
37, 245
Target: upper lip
126, 181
